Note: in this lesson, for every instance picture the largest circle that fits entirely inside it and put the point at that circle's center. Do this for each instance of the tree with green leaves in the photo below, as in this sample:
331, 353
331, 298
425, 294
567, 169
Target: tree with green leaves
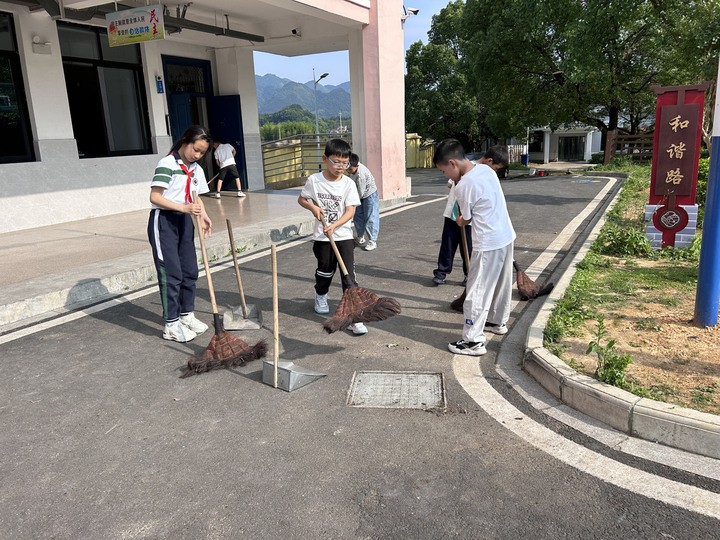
438, 100
591, 61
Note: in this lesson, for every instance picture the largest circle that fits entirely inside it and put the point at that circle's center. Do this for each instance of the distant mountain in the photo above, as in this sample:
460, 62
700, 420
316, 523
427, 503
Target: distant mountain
275, 93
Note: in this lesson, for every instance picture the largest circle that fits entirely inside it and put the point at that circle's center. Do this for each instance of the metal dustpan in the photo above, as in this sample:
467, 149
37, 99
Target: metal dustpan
242, 317
237, 319
283, 374
289, 376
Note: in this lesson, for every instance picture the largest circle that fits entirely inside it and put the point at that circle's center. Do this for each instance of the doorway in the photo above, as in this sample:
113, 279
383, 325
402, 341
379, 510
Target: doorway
571, 148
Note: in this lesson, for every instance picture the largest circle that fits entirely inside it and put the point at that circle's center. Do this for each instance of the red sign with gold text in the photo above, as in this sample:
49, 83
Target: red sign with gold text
676, 151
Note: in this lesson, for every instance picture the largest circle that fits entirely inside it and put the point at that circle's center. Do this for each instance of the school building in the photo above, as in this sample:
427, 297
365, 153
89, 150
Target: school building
84, 123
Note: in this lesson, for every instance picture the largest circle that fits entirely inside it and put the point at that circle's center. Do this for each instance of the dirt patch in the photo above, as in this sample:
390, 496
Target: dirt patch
674, 360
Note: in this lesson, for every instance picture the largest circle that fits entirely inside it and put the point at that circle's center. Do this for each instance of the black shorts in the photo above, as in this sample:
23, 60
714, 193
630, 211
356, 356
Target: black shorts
232, 169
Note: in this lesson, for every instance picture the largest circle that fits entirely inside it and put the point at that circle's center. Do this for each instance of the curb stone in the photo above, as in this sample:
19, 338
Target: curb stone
679, 427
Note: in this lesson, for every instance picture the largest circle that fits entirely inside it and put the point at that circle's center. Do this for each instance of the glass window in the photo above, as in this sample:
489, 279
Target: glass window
124, 110
129, 54
106, 94
14, 123
78, 42
7, 41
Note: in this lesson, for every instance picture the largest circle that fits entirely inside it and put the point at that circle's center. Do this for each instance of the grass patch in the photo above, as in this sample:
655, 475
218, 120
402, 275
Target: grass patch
622, 271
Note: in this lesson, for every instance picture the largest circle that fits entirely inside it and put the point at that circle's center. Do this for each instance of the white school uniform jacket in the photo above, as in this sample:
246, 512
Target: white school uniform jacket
482, 200
333, 198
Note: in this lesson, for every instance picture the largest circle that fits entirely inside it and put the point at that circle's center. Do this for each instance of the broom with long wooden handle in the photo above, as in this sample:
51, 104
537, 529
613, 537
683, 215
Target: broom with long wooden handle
357, 304
457, 304
224, 349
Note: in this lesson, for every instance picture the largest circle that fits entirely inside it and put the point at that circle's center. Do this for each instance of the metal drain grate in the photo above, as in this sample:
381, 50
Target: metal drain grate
397, 390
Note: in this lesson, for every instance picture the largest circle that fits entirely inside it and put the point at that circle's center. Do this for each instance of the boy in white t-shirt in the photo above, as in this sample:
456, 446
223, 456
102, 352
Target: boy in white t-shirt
225, 159
332, 194
481, 201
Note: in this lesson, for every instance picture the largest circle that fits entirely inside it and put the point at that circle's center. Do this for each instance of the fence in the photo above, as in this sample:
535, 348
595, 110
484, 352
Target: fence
289, 161
637, 147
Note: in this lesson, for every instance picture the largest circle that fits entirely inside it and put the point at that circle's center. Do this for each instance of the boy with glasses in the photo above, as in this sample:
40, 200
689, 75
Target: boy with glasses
331, 194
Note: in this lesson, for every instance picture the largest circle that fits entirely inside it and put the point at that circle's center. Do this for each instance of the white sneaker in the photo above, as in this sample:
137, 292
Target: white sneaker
217, 194
359, 241
469, 348
175, 331
321, 303
241, 194
358, 328
370, 245
189, 321
499, 329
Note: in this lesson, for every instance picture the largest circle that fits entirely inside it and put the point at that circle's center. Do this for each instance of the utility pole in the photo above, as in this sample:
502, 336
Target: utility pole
317, 129
707, 295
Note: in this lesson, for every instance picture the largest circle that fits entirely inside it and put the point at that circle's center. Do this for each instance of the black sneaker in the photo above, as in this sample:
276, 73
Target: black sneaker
438, 281
469, 348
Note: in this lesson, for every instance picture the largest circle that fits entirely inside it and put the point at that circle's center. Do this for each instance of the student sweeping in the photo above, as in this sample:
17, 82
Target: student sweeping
331, 194
172, 233
482, 202
225, 159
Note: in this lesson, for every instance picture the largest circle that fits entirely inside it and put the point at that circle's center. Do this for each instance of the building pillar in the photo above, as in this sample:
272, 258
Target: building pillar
377, 75
233, 66
587, 155
546, 146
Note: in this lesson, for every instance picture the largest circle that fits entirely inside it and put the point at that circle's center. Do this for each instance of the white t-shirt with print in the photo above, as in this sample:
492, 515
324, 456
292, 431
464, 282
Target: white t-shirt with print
333, 198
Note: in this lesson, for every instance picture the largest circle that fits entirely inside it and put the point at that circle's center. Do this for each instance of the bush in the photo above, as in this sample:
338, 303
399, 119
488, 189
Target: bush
597, 158
611, 362
621, 242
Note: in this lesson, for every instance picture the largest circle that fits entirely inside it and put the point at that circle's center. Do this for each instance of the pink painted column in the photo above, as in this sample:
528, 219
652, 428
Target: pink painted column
383, 98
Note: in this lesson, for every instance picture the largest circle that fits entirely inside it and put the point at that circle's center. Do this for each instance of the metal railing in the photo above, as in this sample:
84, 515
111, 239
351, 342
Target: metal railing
289, 161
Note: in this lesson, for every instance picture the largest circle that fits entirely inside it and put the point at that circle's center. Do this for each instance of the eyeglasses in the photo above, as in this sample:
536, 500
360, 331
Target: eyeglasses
341, 164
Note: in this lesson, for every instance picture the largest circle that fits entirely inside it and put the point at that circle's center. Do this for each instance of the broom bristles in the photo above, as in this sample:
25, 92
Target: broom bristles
224, 351
360, 305
457, 304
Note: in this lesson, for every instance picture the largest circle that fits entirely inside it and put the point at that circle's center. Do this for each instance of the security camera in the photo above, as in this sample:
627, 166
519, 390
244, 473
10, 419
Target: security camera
413, 11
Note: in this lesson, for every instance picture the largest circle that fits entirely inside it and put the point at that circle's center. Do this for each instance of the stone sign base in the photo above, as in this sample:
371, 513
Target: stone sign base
683, 237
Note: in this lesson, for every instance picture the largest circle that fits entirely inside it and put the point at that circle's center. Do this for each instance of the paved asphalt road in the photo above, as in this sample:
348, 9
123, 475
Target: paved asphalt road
101, 439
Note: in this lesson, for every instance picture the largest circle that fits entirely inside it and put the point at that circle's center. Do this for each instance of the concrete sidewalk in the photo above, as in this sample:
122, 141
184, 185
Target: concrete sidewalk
52, 269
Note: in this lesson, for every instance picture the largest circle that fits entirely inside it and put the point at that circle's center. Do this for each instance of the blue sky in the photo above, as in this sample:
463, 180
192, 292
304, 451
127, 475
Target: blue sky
300, 68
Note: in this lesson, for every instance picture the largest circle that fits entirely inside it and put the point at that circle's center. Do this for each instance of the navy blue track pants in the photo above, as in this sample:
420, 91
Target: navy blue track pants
172, 237
448, 246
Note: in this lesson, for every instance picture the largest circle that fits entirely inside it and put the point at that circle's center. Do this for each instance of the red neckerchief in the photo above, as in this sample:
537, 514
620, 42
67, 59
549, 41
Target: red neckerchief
188, 198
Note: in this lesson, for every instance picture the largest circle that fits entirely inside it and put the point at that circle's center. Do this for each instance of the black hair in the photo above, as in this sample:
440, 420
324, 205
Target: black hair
337, 147
192, 134
447, 150
354, 160
498, 154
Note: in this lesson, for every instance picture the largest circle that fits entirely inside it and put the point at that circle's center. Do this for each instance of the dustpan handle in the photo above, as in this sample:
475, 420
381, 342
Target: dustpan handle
237, 268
